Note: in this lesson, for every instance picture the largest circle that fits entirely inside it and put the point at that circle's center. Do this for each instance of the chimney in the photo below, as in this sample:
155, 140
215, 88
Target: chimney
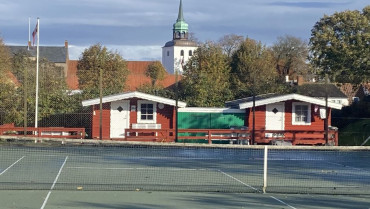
66, 44
300, 80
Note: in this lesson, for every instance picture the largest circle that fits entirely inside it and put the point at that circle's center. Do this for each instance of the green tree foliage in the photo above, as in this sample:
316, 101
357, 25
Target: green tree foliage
158, 91
114, 68
290, 55
156, 72
8, 88
4, 59
205, 80
253, 70
53, 98
340, 46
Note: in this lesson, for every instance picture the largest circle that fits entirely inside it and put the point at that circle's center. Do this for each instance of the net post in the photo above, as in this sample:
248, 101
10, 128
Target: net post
265, 169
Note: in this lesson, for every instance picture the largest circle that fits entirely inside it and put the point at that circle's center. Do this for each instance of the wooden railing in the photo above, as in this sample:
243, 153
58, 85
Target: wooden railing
296, 137
46, 132
168, 135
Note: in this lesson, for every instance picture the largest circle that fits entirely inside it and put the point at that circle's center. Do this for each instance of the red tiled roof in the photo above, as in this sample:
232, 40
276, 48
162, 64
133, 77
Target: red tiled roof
135, 79
138, 67
72, 79
12, 78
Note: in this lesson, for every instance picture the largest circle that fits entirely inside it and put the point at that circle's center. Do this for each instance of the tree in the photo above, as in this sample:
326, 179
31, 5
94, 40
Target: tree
8, 88
156, 72
205, 81
253, 70
53, 98
114, 68
158, 91
4, 59
230, 43
290, 55
340, 46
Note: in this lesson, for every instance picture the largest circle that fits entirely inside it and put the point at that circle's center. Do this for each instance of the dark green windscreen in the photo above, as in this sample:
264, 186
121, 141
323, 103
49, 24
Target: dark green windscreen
188, 120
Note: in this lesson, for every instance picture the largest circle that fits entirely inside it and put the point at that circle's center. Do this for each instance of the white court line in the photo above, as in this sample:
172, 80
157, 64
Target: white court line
55, 181
171, 169
149, 158
346, 166
282, 202
245, 184
11, 165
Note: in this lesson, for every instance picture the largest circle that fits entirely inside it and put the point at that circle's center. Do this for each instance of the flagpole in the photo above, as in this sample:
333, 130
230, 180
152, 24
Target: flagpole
29, 33
37, 72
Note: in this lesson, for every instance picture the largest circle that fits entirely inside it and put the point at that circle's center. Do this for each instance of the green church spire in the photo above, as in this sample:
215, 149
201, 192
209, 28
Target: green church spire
181, 15
180, 28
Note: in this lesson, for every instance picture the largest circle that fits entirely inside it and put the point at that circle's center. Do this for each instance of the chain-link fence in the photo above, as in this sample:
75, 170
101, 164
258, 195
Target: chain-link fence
60, 107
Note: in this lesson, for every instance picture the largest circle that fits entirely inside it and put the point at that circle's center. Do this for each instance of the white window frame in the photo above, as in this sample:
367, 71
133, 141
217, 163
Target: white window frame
294, 122
139, 103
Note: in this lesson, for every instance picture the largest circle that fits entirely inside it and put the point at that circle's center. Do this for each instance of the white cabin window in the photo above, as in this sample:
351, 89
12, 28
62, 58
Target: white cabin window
301, 113
147, 112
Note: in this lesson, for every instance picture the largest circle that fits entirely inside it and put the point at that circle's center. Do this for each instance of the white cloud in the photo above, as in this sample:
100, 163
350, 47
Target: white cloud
137, 28
133, 53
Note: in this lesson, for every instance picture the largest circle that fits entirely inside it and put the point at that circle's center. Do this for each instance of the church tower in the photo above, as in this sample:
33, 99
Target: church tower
177, 52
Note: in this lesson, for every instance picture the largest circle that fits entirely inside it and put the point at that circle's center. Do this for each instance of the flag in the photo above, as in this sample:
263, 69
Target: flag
34, 33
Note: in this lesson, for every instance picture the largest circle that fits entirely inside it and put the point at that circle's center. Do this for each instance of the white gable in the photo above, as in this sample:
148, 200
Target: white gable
135, 94
287, 97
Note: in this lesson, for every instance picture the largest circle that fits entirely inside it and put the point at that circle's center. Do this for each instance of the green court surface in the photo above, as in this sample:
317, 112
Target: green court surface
125, 175
181, 200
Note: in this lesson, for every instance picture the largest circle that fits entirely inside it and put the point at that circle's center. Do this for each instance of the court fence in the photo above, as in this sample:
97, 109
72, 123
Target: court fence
92, 165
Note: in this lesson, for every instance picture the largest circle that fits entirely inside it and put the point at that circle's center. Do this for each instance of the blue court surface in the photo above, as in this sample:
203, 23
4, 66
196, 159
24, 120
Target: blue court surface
87, 174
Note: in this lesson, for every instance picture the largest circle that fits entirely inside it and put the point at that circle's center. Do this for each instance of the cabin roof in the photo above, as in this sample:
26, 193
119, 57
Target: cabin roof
134, 94
265, 99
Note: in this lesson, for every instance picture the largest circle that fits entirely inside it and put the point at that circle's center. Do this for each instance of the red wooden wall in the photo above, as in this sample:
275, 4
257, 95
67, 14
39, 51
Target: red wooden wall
105, 121
317, 124
165, 116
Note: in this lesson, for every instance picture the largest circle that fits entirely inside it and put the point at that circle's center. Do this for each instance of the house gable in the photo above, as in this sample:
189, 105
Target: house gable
134, 94
273, 98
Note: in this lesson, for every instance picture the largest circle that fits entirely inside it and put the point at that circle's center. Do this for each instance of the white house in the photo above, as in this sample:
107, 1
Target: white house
177, 52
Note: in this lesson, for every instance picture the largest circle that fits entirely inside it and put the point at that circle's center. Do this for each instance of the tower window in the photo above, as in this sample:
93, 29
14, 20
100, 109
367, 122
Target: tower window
182, 53
168, 53
190, 53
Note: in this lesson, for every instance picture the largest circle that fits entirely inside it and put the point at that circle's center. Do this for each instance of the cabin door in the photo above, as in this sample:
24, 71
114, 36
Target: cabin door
119, 118
275, 116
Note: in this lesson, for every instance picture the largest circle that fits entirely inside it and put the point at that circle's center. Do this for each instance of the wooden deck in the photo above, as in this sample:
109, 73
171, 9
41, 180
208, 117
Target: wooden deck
295, 137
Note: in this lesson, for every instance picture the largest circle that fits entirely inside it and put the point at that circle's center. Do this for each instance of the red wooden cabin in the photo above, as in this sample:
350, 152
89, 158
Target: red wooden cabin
131, 110
292, 117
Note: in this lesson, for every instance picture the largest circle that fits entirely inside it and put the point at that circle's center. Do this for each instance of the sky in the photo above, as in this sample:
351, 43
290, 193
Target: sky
138, 29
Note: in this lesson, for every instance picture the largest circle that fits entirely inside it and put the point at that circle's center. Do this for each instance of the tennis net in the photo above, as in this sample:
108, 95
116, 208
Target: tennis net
122, 166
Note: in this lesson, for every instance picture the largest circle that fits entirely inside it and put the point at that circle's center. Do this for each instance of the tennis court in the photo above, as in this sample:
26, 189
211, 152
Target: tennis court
91, 174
